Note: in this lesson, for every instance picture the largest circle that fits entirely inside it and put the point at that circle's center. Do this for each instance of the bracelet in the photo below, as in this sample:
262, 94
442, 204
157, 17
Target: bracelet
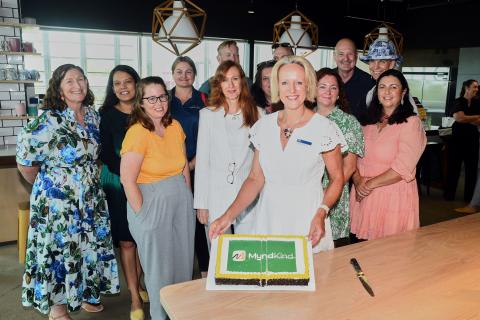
324, 207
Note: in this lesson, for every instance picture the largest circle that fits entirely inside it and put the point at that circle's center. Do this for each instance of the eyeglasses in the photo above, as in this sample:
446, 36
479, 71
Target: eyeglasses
153, 99
231, 170
283, 45
266, 64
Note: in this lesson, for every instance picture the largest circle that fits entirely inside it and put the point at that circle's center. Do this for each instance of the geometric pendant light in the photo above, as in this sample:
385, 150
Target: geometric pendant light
297, 30
174, 28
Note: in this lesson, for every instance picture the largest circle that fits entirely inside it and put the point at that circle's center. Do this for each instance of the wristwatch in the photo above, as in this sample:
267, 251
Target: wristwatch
324, 207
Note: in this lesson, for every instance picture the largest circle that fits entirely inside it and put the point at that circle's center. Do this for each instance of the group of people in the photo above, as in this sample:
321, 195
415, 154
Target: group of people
179, 167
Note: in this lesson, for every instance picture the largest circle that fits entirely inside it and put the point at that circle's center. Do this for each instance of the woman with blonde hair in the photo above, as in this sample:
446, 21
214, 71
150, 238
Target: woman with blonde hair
224, 155
292, 148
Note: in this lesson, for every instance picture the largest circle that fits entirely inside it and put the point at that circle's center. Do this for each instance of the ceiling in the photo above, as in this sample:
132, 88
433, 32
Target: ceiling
424, 23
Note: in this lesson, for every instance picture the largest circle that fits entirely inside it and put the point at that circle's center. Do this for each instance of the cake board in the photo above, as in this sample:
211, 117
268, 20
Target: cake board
211, 285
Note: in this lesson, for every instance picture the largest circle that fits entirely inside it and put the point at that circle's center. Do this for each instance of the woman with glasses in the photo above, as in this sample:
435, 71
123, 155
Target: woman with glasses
156, 178
292, 149
224, 155
186, 105
261, 87
332, 104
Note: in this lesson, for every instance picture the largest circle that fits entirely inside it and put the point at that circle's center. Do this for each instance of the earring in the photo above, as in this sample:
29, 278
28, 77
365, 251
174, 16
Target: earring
401, 102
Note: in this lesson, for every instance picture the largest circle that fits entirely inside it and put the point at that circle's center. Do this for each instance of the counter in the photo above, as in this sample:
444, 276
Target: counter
429, 273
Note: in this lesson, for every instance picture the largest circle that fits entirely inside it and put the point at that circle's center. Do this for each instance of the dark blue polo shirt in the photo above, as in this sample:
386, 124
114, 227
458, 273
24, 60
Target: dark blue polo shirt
188, 116
356, 90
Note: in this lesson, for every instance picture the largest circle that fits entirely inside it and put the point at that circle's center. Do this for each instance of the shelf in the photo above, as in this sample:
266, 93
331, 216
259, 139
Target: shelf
18, 53
16, 117
18, 25
19, 81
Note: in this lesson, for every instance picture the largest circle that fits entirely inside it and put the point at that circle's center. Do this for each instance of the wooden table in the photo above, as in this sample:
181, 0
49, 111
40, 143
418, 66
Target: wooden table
430, 273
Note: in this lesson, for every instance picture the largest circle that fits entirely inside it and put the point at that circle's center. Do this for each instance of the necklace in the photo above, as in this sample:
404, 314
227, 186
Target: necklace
287, 132
235, 116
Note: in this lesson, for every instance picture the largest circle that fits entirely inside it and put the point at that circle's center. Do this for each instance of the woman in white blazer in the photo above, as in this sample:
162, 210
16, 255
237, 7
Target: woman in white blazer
224, 154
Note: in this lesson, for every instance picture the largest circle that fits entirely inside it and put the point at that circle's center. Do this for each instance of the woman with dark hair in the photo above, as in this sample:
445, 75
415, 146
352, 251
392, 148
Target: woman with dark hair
118, 104
186, 105
156, 178
261, 87
332, 103
384, 198
224, 156
70, 259
464, 145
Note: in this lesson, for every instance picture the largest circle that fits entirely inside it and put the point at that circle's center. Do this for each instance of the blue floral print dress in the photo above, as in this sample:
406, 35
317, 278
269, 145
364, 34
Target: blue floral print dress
70, 257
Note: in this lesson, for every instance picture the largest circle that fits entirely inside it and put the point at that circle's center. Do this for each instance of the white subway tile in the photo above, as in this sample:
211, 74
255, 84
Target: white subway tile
10, 3
9, 87
10, 140
6, 112
9, 104
17, 95
6, 132
6, 12
4, 96
12, 20
7, 31
12, 123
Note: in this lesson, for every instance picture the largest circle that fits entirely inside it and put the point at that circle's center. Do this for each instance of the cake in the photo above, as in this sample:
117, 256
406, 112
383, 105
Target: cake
262, 260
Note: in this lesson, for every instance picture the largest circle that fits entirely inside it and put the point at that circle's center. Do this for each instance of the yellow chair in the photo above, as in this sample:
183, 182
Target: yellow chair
23, 224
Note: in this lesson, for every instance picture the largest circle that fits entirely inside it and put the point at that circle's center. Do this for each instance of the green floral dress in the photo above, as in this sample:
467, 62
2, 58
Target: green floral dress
69, 258
352, 131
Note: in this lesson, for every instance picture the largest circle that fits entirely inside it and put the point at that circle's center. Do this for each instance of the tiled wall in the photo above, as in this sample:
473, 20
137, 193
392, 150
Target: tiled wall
10, 93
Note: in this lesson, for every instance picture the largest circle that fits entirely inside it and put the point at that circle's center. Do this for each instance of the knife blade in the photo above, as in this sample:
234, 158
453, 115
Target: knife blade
361, 276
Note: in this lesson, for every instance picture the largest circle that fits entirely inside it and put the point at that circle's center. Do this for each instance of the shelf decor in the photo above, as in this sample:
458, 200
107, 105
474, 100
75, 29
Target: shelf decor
174, 28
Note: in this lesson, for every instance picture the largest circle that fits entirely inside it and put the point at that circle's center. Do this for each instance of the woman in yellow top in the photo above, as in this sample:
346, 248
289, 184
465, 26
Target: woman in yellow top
155, 175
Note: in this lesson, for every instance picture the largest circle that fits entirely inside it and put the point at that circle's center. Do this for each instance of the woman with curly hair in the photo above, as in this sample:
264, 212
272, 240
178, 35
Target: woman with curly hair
70, 258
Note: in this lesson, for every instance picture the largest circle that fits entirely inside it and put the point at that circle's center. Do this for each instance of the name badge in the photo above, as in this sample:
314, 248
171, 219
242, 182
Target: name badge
308, 143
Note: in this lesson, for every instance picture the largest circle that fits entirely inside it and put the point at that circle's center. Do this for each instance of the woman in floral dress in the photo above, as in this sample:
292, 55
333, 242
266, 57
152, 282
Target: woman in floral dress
332, 103
70, 259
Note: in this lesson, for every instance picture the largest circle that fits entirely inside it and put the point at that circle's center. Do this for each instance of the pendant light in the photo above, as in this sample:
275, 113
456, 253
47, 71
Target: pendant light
297, 30
174, 28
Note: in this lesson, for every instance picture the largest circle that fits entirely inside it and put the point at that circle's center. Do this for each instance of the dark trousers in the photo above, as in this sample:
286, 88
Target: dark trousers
462, 150
201, 246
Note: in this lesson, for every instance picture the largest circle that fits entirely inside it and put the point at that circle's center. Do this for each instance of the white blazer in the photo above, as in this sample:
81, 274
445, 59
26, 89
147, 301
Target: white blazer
213, 158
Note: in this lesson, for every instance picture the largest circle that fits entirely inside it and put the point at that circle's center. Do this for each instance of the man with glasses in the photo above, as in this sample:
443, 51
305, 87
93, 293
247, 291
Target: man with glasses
357, 82
281, 50
227, 50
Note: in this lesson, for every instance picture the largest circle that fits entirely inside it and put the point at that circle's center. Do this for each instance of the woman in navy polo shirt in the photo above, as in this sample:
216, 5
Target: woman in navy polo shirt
186, 103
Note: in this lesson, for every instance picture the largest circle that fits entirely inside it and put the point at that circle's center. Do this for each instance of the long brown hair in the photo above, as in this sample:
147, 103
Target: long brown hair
245, 100
138, 114
53, 97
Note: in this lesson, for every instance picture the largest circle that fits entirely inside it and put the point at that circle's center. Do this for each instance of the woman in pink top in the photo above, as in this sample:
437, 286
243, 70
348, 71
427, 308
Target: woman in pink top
384, 198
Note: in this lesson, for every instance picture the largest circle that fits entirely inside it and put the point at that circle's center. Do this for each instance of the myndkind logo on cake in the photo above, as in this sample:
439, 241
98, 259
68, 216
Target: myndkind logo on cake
260, 255
242, 255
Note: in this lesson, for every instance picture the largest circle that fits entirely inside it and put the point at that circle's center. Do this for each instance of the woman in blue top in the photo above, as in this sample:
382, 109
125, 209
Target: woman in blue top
185, 106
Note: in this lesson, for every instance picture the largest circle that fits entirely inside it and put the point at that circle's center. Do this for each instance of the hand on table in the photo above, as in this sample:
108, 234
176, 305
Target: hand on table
317, 227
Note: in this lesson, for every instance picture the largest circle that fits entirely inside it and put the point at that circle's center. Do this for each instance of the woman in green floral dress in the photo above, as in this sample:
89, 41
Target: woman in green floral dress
70, 259
331, 103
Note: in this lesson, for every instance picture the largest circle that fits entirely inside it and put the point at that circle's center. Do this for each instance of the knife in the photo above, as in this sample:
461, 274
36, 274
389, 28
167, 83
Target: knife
361, 276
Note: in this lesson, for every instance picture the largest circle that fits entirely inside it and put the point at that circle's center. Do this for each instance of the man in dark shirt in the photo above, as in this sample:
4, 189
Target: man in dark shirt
357, 82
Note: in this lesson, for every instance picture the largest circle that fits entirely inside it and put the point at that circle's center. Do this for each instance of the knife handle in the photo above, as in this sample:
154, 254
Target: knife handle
355, 265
